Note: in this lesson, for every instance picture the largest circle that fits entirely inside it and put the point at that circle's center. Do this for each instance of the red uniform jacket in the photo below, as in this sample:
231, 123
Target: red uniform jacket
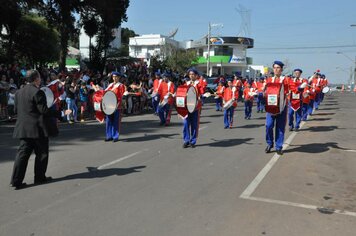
228, 95
119, 90
164, 89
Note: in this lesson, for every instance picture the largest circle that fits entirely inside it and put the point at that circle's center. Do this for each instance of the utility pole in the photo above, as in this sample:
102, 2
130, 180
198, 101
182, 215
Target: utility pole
208, 54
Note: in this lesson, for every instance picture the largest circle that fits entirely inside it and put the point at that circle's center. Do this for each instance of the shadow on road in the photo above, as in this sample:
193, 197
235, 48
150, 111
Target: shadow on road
93, 173
226, 142
320, 119
322, 128
148, 137
249, 126
314, 147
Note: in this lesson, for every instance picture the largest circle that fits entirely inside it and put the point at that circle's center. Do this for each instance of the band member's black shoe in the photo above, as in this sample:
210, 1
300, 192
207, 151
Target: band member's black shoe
19, 186
290, 129
279, 152
44, 180
108, 139
192, 145
115, 140
268, 149
185, 145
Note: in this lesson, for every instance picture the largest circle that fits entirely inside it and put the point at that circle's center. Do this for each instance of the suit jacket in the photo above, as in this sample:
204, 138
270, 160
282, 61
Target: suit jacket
33, 115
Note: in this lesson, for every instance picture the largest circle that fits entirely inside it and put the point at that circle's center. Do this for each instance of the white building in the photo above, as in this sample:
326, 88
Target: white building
226, 54
84, 42
146, 46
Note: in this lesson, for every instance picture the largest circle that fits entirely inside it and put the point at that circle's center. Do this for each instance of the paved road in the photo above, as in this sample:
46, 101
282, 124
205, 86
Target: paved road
147, 184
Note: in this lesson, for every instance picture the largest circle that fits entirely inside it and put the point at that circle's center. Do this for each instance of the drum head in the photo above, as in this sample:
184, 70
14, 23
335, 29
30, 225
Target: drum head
326, 89
49, 96
281, 99
109, 103
192, 99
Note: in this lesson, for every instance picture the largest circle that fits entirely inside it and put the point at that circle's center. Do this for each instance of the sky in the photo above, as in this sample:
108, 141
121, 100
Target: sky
306, 34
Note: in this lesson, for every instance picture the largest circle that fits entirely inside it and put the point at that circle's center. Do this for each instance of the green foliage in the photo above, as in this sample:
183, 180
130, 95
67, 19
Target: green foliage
181, 60
35, 42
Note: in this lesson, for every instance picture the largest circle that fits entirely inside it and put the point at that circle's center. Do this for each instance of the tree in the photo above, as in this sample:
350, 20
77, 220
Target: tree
180, 60
35, 42
60, 14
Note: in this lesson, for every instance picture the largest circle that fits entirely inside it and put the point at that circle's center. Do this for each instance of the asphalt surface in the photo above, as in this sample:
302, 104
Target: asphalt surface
147, 184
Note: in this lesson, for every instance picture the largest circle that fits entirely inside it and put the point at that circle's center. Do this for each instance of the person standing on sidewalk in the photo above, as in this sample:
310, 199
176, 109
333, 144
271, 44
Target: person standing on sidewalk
32, 129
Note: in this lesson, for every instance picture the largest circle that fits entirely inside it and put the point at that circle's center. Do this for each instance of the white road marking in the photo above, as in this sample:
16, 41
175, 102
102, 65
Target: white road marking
258, 179
203, 127
350, 150
300, 205
118, 160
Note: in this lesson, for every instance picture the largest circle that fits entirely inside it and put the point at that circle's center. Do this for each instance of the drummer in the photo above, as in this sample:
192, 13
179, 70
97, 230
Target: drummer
219, 96
278, 120
191, 122
230, 94
295, 101
155, 97
258, 86
113, 121
248, 100
165, 92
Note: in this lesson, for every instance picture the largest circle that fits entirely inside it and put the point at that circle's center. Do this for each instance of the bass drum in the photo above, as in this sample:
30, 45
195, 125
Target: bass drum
186, 100
275, 100
326, 89
97, 98
49, 96
109, 103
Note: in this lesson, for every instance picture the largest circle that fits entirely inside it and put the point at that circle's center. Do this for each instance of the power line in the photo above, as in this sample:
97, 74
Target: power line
308, 47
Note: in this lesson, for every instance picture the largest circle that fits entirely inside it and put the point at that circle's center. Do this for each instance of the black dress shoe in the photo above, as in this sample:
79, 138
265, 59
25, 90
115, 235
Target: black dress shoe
185, 145
108, 139
115, 140
290, 128
268, 149
279, 152
192, 145
19, 186
44, 180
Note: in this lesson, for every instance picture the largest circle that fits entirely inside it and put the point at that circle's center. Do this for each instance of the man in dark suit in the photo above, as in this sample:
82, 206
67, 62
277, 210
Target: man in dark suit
32, 128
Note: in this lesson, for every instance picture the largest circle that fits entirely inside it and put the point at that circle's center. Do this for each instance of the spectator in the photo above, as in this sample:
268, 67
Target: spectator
4, 88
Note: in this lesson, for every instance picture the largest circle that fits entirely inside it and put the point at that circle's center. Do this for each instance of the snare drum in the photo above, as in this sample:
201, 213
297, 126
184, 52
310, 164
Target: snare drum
109, 103
186, 100
275, 100
326, 89
49, 96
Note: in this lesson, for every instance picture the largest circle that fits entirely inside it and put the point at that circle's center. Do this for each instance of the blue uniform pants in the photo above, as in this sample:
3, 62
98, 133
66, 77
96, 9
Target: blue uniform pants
191, 127
155, 102
218, 104
229, 117
113, 125
248, 109
305, 108
163, 113
310, 107
298, 117
317, 101
260, 102
278, 121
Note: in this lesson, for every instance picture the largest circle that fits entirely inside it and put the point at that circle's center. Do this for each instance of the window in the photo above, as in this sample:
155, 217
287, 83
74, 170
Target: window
222, 51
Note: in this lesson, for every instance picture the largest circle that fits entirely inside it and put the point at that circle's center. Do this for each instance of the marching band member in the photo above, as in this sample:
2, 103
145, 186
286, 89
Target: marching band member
248, 100
230, 95
191, 122
258, 86
295, 100
155, 97
312, 94
307, 93
219, 96
204, 84
166, 92
324, 83
113, 121
237, 83
278, 120
316, 83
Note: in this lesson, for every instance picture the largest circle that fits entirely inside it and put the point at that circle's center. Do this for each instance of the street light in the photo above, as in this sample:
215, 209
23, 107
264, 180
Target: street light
208, 54
354, 62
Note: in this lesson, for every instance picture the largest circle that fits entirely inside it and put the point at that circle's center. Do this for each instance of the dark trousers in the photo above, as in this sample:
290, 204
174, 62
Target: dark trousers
27, 145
